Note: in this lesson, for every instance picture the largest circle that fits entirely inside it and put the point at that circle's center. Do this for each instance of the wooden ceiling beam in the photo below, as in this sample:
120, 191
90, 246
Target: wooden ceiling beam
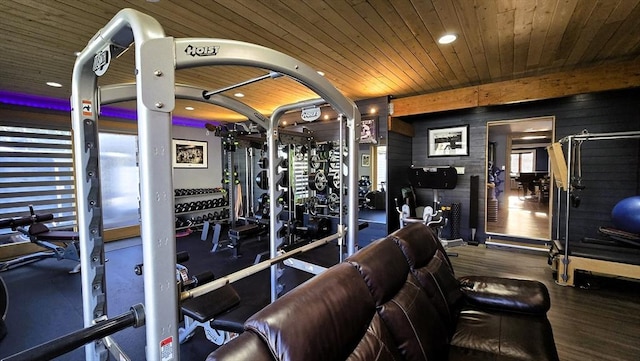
589, 80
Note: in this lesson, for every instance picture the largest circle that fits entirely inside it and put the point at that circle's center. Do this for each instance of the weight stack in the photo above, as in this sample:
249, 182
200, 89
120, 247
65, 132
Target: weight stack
456, 209
492, 210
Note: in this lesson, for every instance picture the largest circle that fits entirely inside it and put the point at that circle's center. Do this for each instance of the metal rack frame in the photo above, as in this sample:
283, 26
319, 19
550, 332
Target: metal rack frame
156, 59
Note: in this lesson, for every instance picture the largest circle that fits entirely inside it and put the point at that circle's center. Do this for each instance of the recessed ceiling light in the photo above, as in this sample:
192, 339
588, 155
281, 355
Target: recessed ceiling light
54, 84
189, 108
238, 95
321, 72
447, 39
326, 117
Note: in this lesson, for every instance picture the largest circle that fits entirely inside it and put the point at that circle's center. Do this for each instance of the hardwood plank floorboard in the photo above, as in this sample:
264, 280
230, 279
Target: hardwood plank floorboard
599, 323
521, 217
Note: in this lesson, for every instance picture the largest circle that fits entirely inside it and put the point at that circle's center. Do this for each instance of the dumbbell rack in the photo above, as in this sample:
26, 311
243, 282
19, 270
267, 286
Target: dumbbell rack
214, 209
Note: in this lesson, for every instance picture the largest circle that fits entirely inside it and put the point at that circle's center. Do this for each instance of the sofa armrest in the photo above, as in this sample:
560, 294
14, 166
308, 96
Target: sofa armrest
505, 294
247, 346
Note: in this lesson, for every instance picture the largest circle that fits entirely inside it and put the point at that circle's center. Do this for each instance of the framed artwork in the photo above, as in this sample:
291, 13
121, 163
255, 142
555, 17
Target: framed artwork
189, 154
366, 160
368, 131
448, 142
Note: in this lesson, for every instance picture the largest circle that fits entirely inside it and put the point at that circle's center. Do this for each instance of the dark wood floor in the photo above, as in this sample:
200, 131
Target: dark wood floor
521, 217
600, 323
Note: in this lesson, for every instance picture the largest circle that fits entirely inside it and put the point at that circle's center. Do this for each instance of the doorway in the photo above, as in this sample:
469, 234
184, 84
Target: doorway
518, 196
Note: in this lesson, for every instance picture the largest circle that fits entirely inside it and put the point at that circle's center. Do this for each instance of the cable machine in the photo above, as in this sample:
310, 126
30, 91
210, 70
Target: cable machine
156, 59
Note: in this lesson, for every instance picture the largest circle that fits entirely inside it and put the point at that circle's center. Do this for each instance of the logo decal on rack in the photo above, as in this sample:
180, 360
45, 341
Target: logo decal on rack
201, 50
87, 108
101, 61
310, 114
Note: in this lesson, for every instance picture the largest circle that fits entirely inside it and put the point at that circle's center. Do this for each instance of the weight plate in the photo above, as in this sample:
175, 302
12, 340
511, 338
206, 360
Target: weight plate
315, 162
334, 202
320, 181
311, 204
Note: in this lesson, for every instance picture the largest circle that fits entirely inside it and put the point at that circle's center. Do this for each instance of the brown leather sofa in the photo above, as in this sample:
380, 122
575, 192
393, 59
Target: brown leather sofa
398, 299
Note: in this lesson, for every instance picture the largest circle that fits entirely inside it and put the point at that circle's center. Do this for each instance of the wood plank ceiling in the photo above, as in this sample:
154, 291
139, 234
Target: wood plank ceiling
366, 48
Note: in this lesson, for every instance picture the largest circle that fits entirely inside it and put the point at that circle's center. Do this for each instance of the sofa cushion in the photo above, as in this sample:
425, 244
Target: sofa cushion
436, 278
376, 345
403, 305
383, 268
415, 323
506, 294
420, 244
506, 335
465, 354
323, 319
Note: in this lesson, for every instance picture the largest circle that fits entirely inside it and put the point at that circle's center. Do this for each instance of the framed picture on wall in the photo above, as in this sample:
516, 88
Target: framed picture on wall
448, 142
368, 130
189, 154
366, 160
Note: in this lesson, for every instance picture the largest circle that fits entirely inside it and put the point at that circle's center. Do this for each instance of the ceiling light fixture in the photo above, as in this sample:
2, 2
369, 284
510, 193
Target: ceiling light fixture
54, 84
189, 108
238, 95
447, 39
320, 72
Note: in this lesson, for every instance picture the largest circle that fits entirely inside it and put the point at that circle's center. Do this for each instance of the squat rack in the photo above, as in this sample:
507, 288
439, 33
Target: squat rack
156, 59
570, 140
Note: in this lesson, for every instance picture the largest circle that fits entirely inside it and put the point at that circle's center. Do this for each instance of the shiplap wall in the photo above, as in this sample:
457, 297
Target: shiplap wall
610, 168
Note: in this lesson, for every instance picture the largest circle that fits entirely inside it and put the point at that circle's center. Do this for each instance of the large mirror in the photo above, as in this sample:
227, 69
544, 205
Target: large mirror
518, 192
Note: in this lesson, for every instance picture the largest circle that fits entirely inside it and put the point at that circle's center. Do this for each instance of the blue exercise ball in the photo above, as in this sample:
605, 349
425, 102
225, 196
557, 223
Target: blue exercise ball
626, 215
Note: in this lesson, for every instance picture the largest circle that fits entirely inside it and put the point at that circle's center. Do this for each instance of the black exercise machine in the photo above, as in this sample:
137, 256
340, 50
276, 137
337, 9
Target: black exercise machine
434, 216
41, 235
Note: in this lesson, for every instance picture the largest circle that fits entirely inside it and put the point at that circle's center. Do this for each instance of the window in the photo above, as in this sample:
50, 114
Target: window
522, 162
119, 180
381, 167
36, 168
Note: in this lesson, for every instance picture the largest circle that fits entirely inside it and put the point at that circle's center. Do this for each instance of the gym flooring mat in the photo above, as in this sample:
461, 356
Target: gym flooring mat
46, 302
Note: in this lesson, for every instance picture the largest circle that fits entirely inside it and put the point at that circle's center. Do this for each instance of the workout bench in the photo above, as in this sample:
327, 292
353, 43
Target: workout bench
201, 311
41, 235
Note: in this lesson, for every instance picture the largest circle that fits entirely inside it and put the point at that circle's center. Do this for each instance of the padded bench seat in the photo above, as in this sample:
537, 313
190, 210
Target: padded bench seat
212, 304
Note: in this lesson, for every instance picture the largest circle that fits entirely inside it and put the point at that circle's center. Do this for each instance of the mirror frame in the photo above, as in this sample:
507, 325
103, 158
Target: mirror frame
490, 124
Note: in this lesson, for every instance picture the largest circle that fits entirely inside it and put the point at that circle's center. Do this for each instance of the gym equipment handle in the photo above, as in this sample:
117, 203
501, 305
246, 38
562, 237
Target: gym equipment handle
73, 340
23, 221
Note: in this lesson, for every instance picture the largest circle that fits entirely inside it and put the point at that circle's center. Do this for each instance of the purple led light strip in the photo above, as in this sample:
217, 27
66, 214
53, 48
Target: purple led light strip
40, 102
